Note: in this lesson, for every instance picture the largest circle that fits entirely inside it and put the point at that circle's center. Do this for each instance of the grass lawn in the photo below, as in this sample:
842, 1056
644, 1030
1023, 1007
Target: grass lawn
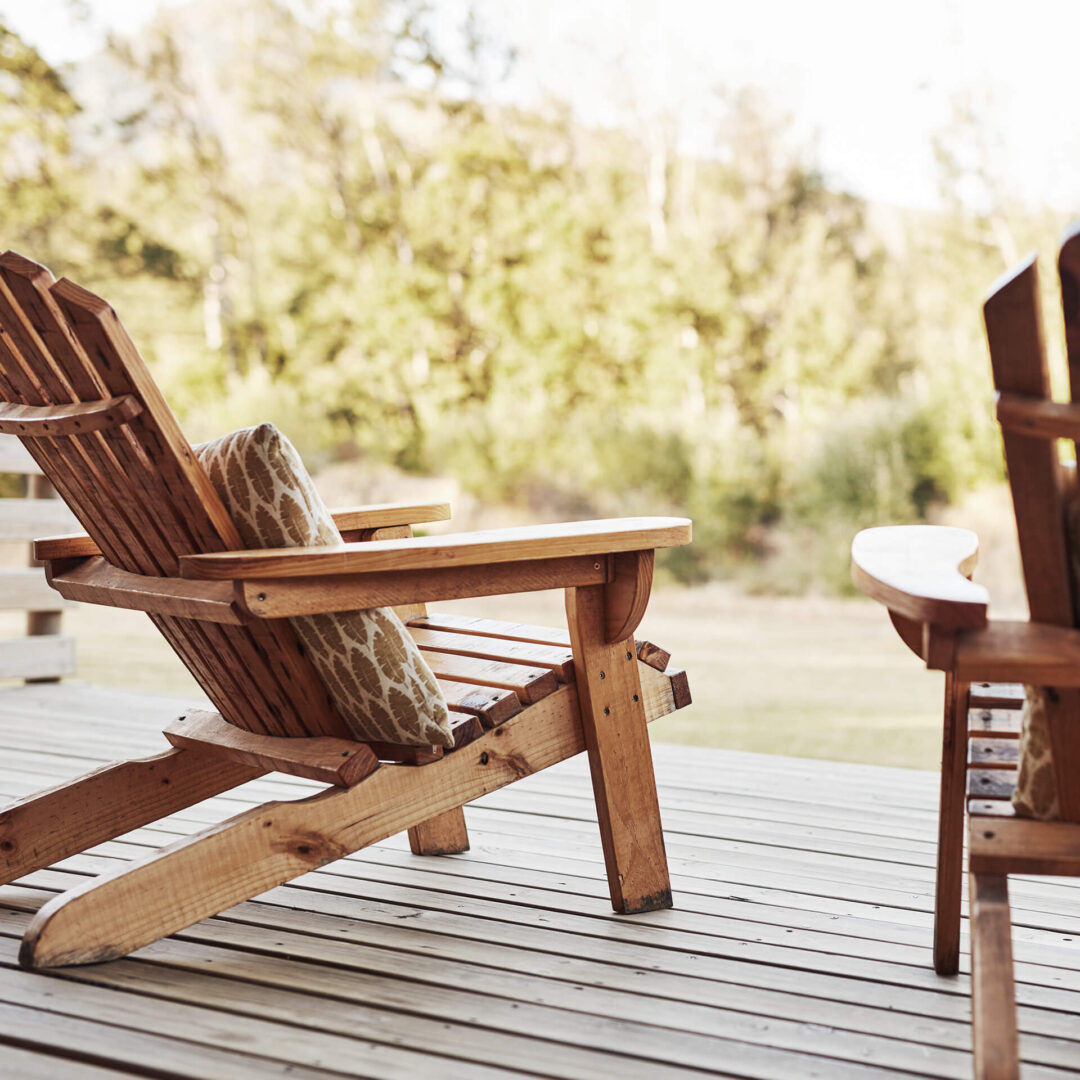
806, 677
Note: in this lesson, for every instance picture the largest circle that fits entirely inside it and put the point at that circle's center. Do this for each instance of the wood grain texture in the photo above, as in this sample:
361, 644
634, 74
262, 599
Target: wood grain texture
275, 598
95, 581
61, 821
921, 572
342, 762
490, 704
48, 421
65, 546
648, 652
627, 593
1025, 846
140, 494
950, 845
556, 658
620, 760
458, 549
352, 519
1033, 416
1007, 651
528, 682
1018, 356
202, 875
1069, 276
993, 1001
446, 834
388, 515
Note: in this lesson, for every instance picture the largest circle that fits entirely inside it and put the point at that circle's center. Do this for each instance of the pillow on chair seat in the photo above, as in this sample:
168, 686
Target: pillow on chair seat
377, 678
1035, 795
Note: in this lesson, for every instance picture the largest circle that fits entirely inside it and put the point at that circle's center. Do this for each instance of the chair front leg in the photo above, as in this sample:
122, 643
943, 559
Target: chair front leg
950, 849
620, 759
993, 999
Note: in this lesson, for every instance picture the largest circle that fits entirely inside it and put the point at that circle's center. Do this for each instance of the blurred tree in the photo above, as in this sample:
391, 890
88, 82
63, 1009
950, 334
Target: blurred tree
39, 180
312, 213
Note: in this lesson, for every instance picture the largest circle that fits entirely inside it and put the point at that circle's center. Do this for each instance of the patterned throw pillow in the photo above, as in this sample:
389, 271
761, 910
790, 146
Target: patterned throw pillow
1035, 794
376, 676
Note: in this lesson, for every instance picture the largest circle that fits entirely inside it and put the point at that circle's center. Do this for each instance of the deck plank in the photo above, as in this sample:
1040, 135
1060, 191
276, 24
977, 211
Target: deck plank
799, 945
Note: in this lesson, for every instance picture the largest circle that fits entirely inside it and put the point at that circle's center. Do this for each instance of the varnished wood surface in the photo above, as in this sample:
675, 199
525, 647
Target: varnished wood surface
799, 945
46, 421
921, 572
454, 549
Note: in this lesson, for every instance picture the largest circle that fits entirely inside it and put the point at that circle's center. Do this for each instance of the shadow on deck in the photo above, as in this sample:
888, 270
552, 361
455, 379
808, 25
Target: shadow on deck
799, 945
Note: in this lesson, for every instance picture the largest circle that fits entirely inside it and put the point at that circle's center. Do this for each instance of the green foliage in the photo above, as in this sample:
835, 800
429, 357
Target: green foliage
307, 214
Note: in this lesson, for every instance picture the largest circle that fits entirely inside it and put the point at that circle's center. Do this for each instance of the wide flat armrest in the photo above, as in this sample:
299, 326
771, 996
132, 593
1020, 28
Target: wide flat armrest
1025, 652
920, 572
348, 520
441, 552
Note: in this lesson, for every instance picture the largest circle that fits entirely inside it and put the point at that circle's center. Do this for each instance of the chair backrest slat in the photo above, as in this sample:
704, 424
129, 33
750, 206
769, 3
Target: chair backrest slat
1018, 357
140, 493
1014, 332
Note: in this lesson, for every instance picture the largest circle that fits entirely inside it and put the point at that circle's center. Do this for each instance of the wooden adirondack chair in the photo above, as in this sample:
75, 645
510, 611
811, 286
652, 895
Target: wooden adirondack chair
158, 540
922, 575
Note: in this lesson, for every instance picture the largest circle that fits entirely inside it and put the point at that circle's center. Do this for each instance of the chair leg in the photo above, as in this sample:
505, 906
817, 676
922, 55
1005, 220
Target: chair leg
993, 1002
71, 817
620, 759
442, 835
950, 849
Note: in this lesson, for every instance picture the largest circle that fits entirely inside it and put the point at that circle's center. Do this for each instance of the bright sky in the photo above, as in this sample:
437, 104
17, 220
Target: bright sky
871, 82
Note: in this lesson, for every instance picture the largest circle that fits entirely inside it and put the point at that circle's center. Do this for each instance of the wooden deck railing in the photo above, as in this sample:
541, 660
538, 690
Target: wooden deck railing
43, 654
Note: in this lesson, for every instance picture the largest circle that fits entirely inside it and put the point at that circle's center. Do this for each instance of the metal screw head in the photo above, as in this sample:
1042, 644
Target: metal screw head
602, 675
607, 711
629, 655
635, 697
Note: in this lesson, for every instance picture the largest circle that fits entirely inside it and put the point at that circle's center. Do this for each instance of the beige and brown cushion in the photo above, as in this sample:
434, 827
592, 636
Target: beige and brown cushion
1035, 794
374, 672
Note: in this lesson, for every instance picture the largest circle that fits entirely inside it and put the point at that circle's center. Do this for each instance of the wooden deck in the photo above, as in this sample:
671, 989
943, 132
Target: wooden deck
799, 947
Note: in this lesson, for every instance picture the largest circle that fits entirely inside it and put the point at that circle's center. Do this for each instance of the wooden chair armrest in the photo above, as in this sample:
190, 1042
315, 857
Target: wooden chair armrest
388, 515
1025, 652
67, 546
352, 519
921, 572
568, 539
